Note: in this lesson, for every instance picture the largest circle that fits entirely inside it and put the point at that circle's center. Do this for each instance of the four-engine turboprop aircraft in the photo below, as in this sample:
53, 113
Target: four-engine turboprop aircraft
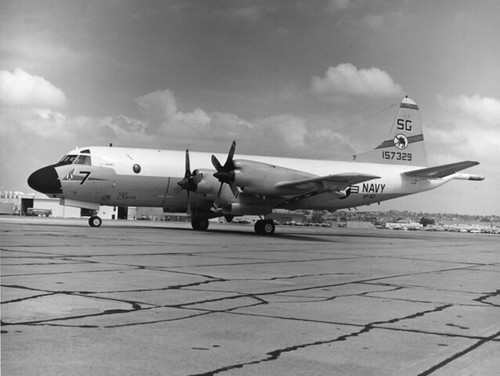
248, 185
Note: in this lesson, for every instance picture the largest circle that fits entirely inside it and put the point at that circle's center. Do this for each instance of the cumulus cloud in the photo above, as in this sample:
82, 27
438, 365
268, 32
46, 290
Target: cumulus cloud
122, 125
346, 80
288, 135
287, 129
225, 125
22, 89
284, 134
328, 144
164, 117
484, 109
467, 127
164, 123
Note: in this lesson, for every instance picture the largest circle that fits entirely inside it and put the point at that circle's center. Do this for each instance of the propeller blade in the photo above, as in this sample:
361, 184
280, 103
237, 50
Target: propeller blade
188, 167
225, 174
190, 181
216, 163
236, 191
221, 188
188, 204
229, 164
229, 161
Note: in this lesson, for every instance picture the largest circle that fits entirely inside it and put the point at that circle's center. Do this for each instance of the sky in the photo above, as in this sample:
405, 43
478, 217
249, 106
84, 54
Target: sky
305, 79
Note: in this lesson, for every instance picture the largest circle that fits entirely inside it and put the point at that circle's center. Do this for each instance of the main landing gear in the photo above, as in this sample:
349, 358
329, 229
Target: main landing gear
95, 221
262, 226
199, 224
265, 227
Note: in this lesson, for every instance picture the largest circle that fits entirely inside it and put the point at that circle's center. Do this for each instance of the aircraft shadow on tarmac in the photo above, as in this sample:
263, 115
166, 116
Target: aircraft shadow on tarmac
294, 234
312, 234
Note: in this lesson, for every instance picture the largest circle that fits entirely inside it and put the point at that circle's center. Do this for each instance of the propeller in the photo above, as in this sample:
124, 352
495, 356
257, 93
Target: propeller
190, 181
225, 174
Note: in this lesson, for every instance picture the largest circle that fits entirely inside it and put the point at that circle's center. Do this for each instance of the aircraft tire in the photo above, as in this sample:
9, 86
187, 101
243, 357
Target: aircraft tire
199, 224
265, 227
95, 221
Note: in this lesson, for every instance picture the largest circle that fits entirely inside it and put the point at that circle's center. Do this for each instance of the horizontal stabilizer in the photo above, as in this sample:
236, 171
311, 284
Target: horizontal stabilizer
328, 182
442, 171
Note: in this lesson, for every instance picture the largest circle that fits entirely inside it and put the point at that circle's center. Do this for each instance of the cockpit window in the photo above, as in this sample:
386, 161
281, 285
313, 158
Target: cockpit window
83, 159
68, 159
75, 159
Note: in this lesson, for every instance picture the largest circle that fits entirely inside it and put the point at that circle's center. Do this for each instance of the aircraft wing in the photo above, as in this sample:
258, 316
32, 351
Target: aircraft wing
442, 171
327, 183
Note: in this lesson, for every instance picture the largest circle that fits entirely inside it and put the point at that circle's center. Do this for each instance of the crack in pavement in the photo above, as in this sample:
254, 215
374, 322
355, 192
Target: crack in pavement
275, 354
135, 307
456, 356
213, 279
482, 299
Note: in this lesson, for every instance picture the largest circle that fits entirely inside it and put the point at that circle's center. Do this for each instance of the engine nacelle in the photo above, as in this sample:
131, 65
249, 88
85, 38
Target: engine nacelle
261, 178
207, 184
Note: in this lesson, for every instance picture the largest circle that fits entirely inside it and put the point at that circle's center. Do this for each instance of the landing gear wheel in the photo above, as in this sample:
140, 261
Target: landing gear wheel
199, 224
95, 221
265, 227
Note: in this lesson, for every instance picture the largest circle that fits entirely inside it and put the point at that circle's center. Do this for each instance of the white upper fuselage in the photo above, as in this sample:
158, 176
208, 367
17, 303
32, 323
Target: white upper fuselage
148, 177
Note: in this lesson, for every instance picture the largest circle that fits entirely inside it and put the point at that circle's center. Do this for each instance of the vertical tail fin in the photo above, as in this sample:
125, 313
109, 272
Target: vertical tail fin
405, 143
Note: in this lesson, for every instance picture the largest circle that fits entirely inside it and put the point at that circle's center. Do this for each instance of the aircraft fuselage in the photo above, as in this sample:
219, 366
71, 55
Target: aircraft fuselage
144, 177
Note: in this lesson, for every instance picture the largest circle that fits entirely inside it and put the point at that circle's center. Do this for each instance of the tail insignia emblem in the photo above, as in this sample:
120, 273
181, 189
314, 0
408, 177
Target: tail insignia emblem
400, 141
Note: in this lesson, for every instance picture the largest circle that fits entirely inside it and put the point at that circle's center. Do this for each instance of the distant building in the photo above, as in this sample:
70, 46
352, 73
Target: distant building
286, 216
403, 224
358, 224
18, 203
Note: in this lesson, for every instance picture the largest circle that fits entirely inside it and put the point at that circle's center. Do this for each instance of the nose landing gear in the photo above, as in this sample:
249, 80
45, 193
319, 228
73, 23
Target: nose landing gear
95, 221
265, 227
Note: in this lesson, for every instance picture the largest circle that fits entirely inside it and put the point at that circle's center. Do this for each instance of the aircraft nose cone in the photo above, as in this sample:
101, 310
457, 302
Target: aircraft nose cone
45, 181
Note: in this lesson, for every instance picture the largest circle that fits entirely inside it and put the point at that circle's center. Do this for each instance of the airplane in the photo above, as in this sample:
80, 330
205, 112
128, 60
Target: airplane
88, 177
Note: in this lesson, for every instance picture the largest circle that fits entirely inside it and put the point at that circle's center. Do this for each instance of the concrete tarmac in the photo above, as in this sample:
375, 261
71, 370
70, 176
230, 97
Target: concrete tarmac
142, 298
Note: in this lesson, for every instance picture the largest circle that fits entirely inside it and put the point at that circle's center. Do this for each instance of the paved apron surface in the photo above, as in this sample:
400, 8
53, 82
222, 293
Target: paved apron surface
161, 299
